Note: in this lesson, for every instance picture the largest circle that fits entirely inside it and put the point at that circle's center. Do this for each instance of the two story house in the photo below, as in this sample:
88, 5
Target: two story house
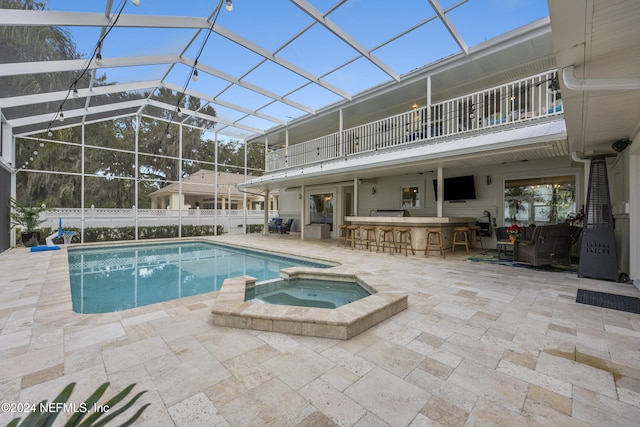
514, 124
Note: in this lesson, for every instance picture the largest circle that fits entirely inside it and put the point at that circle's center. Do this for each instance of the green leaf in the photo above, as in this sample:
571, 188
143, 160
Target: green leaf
94, 419
91, 400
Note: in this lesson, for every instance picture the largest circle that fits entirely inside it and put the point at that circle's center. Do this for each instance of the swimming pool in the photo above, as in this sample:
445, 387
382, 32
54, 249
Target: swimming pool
115, 278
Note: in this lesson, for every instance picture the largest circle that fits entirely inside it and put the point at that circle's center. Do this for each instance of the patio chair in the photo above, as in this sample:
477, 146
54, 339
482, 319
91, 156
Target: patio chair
286, 227
501, 234
549, 244
274, 224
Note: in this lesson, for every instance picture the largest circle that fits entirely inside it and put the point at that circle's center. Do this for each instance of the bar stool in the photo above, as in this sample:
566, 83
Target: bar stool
386, 239
342, 234
474, 231
434, 232
352, 235
403, 240
460, 231
367, 236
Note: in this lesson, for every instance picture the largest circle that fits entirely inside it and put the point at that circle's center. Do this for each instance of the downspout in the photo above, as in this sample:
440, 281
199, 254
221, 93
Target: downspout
573, 83
587, 166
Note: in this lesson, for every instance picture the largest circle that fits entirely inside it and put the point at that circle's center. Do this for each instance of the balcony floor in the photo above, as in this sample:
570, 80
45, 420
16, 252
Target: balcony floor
480, 344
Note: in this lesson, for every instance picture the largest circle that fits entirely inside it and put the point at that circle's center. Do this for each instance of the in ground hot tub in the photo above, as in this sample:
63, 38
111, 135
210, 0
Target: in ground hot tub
307, 292
230, 308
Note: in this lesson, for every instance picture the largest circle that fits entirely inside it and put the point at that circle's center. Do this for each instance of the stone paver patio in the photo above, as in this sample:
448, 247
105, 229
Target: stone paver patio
479, 344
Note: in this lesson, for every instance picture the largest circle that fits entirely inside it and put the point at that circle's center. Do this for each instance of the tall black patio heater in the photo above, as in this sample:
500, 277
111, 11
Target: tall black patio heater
598, 258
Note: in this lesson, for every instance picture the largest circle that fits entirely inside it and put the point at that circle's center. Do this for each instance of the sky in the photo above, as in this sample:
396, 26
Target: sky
378, 26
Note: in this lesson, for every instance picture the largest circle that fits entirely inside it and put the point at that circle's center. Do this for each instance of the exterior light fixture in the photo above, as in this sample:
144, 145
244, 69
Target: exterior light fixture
61, 117
229, 6
195, 75
98, 58
179, 112
168, 135
49, 133
75, 91
42, 144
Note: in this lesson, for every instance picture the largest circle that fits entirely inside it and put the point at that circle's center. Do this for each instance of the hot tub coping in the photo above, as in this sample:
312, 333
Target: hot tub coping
231, 310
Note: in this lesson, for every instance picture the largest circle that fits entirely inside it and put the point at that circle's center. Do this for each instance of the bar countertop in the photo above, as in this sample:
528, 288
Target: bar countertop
415, 221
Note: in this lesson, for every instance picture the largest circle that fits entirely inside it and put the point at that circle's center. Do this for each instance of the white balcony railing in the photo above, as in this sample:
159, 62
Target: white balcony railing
519, 101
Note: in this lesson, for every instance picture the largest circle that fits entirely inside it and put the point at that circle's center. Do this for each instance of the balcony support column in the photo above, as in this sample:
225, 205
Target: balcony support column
303, 215
355, 196
265, 227
440, 185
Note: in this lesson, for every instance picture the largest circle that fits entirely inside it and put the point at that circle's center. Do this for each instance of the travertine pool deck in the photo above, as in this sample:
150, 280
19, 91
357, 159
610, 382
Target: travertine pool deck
479, 344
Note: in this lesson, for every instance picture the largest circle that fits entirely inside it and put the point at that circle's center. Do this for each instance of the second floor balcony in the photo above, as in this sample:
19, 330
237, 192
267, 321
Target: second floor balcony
526, 100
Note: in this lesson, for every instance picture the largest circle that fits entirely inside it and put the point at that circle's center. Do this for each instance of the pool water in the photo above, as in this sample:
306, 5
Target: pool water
306, 293
108, 279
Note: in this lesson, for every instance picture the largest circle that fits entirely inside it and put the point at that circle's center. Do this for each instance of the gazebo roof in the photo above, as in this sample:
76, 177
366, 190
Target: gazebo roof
204, 182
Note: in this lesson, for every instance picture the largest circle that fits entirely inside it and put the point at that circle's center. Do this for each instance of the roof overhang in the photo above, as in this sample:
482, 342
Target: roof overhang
596, 41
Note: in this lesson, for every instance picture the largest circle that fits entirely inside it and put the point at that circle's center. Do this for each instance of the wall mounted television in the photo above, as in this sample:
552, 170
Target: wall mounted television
457, 188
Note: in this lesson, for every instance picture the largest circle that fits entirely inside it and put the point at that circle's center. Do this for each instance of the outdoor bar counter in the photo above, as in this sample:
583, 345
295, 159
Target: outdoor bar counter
418, 225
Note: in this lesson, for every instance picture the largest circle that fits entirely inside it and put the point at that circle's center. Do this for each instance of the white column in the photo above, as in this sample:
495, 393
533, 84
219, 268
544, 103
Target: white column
215, 183
180, 181
12, 190
634, 211
82, 187
440, 185
136, 176
355, 196
265, 228
303, 217
244, 194
176, 202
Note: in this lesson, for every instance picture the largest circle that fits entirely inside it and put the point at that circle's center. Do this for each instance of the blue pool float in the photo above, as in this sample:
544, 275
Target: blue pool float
44, 248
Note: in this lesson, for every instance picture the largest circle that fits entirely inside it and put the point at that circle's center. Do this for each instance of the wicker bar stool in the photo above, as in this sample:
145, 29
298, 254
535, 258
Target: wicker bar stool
434, 232
403, 240
386, 239
352, 235
463, 232
342, 234
367, 237
474, 231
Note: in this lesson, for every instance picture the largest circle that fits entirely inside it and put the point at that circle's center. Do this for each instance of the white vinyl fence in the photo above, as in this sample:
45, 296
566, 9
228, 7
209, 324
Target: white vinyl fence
232, 221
